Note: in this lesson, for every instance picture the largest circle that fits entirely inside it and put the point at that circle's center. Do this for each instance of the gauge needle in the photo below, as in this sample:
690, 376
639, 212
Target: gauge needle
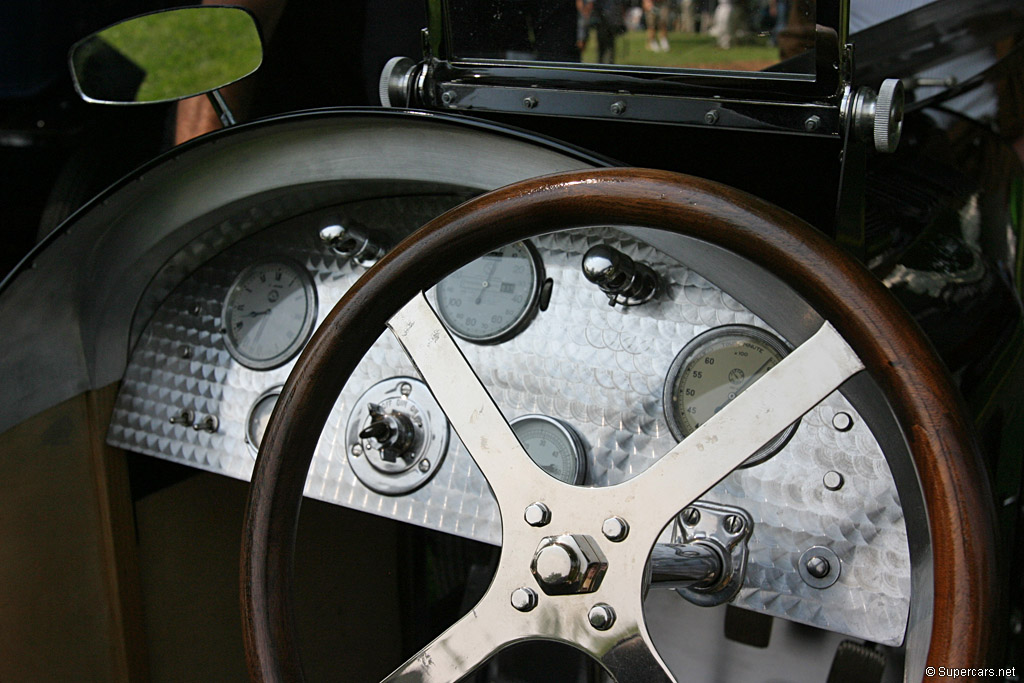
253, 314
486, 282
757, 373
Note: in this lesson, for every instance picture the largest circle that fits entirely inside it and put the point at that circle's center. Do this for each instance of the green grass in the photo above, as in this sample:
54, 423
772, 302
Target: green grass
187, 51
689, 50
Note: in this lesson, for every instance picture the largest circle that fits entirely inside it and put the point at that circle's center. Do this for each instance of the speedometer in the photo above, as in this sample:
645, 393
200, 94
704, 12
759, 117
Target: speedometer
714, 368
494, 297
269, 313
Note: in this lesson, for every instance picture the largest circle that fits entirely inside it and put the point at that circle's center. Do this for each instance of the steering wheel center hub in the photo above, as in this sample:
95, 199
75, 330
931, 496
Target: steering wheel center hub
568, 564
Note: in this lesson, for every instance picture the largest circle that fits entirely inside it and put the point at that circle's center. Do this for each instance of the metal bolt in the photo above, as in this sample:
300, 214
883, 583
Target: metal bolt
812, 123
601, 616
618, 107
818, 567
537, 514
448, 96
711, 117
833, 480
733, 524
186, 352
356, 450
210, 423
691, 516
842, 422
524, 599
405, 388
530, 102
615, 529
197, 309
424, 465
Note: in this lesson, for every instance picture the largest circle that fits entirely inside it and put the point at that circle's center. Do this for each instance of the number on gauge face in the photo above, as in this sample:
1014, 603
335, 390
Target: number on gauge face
269, 313
714, 368
493, 298
553, 445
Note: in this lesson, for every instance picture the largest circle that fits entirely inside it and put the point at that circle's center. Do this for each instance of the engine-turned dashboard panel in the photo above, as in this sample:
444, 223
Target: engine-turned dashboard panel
599, 377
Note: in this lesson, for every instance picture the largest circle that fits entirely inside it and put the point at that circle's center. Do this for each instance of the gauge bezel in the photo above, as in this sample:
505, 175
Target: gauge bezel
522, 321
304, 332
574, 439
691, 351
254, 447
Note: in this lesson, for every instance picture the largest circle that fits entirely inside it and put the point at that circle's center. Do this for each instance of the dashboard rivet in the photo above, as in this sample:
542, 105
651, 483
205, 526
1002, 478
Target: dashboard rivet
817, 566
601, 616
733, 524
615, 529
842, 422
424, 465
357, 450
524, 599
711, 117
186, 352
197, 309
691, 516
833, 480
537, 514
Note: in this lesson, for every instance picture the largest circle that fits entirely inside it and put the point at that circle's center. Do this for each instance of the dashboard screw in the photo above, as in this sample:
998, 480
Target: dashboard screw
812, 123
524, 599
601, 616
448, 96
537, 514
733, 524
530, 102
356, 450
405, 388
818, 567
833, 480
691, 516
186, 352
842, 422
424, 465
197, 309
615, 529
711, 117
618, 107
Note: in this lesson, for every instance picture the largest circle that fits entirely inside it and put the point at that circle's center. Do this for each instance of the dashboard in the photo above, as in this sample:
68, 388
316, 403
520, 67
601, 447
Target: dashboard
597, 387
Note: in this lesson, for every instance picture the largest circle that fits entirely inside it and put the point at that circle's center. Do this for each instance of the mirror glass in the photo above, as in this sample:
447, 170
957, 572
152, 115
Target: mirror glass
166, 56
734, 35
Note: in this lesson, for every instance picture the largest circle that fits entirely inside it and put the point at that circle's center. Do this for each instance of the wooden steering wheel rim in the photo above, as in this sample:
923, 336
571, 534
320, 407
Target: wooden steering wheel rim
886, 339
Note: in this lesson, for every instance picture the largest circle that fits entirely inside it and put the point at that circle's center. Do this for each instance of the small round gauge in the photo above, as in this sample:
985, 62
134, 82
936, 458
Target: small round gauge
553, 445
259, 416
494, 297
269, 313
712, 370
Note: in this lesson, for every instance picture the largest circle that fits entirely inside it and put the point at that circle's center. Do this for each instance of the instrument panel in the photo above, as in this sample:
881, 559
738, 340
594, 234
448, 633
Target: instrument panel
601, 391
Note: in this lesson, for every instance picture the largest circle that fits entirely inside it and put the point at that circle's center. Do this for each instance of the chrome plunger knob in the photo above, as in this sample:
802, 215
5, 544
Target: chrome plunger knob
393, 432
621, 278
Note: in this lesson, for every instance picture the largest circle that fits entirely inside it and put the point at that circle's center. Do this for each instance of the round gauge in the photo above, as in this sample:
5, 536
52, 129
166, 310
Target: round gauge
553, 445
494, 297
269, 313
712, 370
259, 416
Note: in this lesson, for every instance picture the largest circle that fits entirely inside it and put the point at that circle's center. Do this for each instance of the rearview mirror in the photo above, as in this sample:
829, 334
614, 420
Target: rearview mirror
167, 55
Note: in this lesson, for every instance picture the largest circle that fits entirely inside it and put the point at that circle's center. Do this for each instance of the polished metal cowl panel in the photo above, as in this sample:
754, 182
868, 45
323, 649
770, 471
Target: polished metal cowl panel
599, 368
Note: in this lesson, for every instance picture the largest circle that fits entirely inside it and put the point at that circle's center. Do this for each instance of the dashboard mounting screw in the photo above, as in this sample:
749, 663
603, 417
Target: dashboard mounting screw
424, 465
733, 524
524, 599
601, 616
615, 529
618, 107
405, 388
842, 422
448, 96
186, 352
711, 117
833, 480
817, 566
812, 123
537, 514
357, 450
530, 102
691, 516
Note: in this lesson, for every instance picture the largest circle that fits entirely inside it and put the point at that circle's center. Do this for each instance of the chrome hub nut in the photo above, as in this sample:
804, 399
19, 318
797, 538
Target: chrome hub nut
568, 564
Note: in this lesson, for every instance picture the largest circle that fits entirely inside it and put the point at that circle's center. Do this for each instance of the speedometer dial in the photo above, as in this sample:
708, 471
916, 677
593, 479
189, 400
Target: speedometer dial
712, 370
494, 297
269, 313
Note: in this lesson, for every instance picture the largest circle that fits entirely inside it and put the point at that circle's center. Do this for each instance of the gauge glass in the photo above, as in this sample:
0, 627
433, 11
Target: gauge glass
259, 417
712, 370
553, 445
269, 313
494, 297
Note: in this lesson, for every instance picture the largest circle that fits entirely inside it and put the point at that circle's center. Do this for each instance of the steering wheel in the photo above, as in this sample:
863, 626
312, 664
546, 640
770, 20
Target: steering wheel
865, 328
